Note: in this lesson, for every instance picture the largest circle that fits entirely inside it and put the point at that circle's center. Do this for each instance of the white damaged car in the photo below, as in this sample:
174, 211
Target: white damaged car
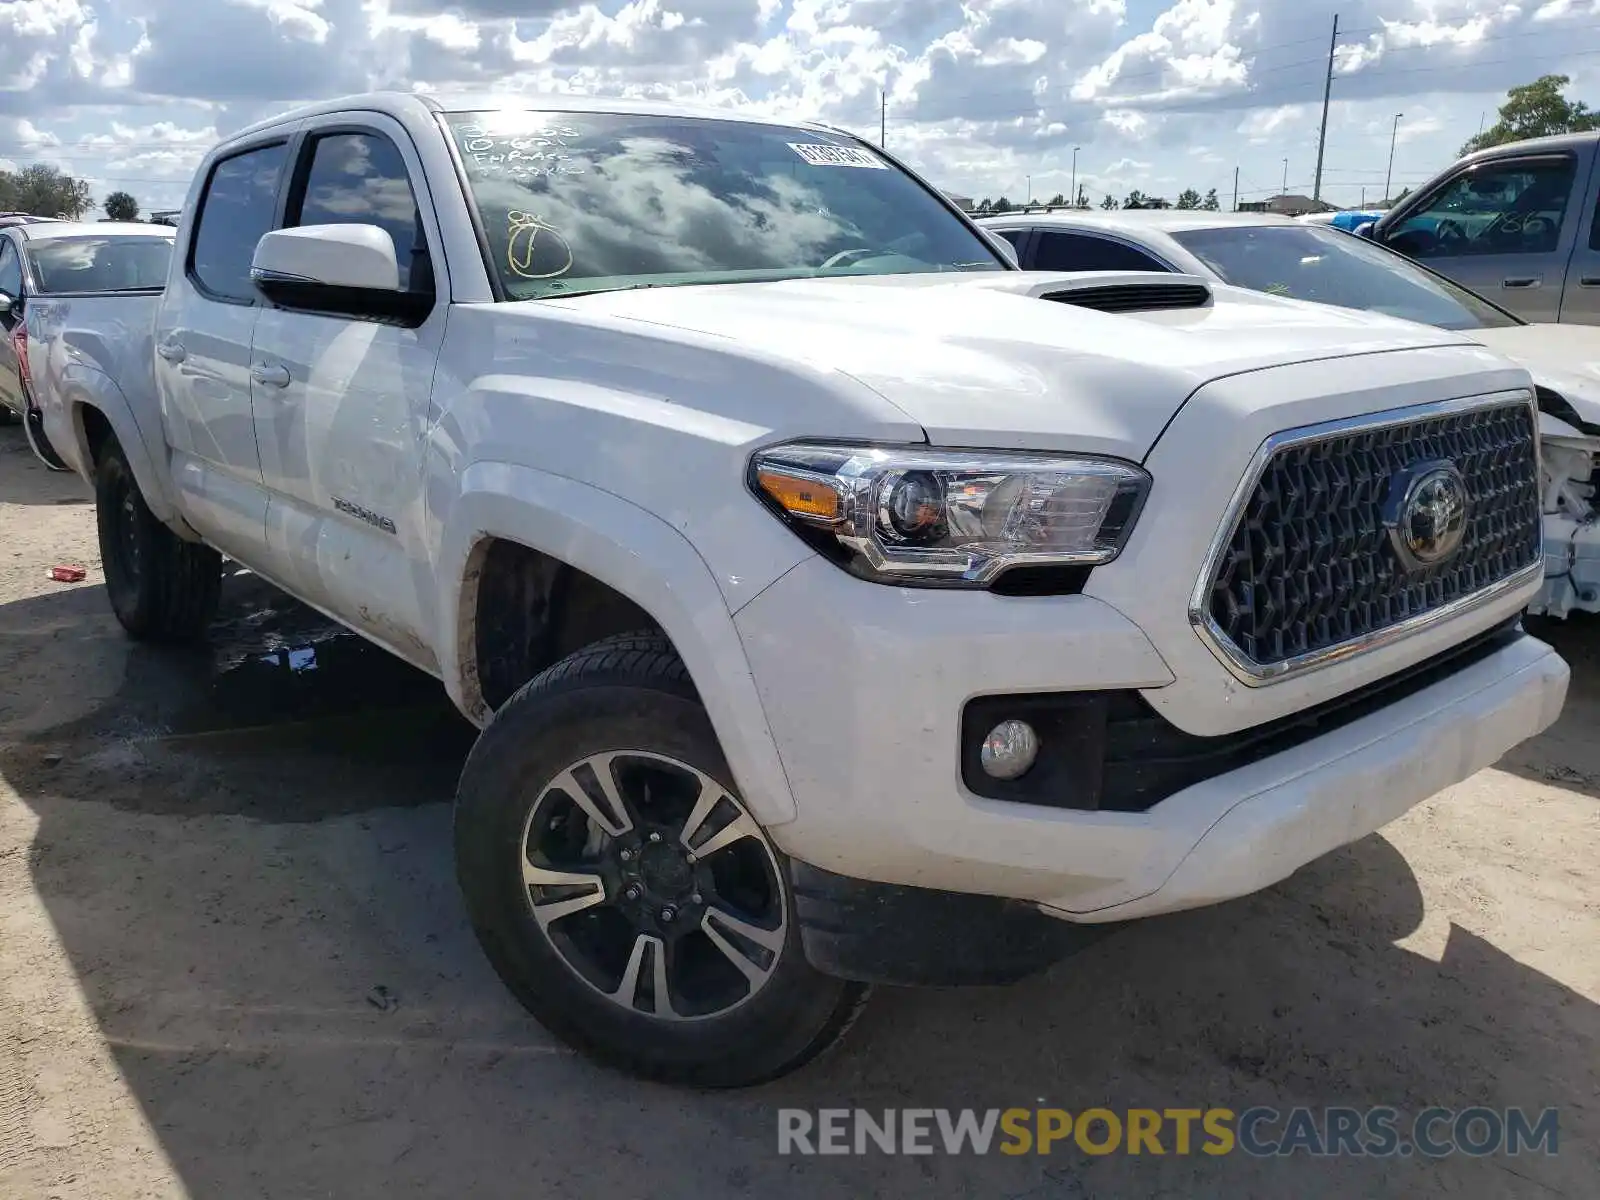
839, 604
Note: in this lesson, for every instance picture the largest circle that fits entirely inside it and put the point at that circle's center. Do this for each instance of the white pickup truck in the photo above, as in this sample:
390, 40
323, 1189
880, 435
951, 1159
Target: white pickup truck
839, 604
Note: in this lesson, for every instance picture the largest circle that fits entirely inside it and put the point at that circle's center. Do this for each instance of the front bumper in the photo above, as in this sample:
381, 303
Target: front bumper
866, 716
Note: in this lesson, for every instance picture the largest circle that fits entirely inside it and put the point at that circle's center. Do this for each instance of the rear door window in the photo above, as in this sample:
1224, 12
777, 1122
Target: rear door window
237, 208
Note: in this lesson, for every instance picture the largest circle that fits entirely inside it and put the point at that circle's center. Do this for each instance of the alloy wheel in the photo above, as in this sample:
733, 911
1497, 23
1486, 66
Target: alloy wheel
654, 885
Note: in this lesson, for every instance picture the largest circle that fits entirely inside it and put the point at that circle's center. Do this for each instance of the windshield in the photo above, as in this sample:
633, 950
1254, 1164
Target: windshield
100, 264
583, 202
1308, 262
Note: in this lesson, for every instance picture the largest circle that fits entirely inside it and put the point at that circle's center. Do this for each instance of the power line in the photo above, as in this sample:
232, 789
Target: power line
1043, 103
1162, 72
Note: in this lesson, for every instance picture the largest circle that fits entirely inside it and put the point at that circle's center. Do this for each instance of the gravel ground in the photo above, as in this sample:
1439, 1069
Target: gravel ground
233, 963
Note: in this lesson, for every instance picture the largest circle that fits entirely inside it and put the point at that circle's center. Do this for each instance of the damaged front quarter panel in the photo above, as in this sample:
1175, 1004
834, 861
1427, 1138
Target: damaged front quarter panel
1571, 531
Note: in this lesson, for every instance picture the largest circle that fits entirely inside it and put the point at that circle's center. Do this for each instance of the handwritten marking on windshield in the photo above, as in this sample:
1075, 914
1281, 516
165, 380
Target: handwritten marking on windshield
523, 246
529, 153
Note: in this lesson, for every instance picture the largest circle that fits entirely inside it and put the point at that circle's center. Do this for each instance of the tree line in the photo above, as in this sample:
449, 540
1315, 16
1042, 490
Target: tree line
1188, 198
45, 191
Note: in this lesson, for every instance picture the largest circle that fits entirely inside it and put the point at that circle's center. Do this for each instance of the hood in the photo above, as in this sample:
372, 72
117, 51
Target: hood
982, 360
1563, 358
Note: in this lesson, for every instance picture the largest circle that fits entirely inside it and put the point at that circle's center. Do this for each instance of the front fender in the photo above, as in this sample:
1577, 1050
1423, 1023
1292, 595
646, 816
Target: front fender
643, 558
81, 387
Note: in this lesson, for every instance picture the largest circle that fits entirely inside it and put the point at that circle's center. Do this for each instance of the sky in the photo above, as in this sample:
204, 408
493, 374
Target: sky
985, 97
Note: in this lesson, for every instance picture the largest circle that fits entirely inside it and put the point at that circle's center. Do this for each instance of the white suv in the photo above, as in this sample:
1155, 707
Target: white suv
840, 604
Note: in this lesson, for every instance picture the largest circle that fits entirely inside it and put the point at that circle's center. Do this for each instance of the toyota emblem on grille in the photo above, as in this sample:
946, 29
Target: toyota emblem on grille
1426, 513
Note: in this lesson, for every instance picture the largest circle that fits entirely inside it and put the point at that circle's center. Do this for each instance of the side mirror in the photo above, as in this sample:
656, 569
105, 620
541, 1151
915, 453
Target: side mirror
350, 270
1007, 250
1367, 229
6, 304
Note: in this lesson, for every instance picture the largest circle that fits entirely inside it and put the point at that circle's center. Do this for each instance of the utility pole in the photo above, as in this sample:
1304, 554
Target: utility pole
1029, 198
1073, 203
1389, 174
1236, 189
1327, 95
1285, 191
883, 119
1363, 195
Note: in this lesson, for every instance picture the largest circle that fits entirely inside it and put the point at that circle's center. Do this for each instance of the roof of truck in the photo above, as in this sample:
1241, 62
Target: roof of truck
1554, 141
396, 103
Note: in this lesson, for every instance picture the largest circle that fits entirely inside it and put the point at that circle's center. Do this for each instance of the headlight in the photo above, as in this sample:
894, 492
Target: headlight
953, 517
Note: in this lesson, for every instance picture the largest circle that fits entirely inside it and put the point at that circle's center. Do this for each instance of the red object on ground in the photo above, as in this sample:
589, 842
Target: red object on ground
67, 574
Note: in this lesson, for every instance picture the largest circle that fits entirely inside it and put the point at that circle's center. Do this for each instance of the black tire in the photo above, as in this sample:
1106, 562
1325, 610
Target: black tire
162, 588
627, 693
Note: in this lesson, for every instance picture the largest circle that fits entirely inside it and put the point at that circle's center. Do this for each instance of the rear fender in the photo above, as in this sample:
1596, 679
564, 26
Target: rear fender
83, 387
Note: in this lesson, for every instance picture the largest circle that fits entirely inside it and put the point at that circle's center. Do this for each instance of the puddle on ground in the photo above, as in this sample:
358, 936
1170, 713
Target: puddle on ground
338, 683
277, 675
280, 715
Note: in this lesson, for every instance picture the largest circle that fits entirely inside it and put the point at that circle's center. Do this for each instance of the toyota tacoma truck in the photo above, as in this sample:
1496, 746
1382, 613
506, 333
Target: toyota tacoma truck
838, 603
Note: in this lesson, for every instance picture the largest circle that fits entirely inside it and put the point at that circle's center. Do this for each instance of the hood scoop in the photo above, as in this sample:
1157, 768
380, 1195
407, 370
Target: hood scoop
1130, 291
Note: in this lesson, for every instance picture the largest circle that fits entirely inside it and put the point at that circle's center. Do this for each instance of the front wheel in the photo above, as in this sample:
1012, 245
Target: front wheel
621, 888
162, 588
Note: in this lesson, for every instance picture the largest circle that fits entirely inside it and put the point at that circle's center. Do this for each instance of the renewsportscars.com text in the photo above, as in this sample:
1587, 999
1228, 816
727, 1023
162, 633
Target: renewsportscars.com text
1378, 1132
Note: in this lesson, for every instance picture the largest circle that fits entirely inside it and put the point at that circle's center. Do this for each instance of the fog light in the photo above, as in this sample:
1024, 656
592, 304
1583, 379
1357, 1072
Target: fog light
1009, 750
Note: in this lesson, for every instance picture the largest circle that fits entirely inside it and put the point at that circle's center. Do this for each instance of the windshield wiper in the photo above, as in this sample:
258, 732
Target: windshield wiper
623, 287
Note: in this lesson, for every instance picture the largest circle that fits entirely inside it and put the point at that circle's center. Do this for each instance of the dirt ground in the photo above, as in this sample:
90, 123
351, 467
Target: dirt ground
233, 963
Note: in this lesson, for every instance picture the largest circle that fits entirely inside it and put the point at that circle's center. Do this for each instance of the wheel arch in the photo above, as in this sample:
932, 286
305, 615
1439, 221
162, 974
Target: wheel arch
90, 398
629, 553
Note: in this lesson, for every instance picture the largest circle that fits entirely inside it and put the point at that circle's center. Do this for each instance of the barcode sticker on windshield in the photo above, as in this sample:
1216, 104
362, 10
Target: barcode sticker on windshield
819, 155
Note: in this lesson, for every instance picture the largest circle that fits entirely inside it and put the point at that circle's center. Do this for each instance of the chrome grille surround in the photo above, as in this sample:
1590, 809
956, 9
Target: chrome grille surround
1464, 424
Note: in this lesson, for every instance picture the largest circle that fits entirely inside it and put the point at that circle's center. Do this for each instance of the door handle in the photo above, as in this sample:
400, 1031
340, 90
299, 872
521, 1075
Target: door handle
270, 374
1522, 281
172, 350
1589, 281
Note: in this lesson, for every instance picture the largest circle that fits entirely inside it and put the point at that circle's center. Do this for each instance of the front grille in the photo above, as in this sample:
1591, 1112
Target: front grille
1134, 297
1309, 566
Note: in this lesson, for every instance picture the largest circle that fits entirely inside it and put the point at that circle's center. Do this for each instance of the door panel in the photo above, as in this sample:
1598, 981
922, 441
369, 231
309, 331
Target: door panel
341, 407
203, 334
1504, 228
1580, 297
339, 443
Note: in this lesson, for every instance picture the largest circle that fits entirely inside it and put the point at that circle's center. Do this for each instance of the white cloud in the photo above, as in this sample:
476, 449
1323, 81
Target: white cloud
980, 93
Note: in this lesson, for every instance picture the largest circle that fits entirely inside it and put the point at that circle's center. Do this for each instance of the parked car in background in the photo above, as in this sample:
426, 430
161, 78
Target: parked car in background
21, 218
1286, 257
1519, 222
1348, 220
54, 276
